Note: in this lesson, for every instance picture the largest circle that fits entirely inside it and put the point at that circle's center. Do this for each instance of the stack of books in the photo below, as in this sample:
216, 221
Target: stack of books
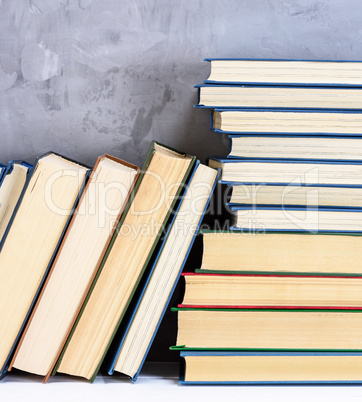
82, 247
278, 296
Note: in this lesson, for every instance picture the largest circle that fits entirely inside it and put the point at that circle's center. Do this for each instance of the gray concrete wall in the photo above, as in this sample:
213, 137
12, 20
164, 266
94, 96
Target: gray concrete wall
84, 77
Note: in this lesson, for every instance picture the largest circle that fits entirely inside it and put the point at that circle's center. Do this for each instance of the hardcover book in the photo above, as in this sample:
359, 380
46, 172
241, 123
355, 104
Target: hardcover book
336, 73
255, 290
281, 253
278, 97
297, 147
295, 194
296, 219
2, 170
288, 172
84, 244
32, 240
161, 182
270, 368
11, 186
269, 329
135, 340
287, 122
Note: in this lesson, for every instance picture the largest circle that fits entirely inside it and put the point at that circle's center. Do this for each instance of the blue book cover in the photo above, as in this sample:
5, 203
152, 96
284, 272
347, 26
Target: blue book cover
121, 336
276, 97
292, 67
334, 153
2, 170
259, 225
317, 178
275, 133
4, 369
294, 367
7, 169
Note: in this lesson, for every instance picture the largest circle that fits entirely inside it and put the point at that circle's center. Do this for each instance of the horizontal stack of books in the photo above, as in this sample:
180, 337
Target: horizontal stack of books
278, 296
81, 247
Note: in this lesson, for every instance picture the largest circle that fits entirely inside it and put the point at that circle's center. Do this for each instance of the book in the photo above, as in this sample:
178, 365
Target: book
220, 96
281, 253
162, 179
31, 242
287, 122
297, 147
295, 195
269, 329
2, 170
308, 218
11, 186
270, 368
286, 72
327, 173
75, 266
135, 340
272, 291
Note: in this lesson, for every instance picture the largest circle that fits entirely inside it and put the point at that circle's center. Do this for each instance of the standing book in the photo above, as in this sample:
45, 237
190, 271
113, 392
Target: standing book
11, 187
161, 181
135, 340
32, 240
80, 255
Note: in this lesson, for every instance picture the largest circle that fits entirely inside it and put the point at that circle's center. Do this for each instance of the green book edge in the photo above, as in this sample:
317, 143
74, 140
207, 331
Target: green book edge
149, 156
183, 347
305, 310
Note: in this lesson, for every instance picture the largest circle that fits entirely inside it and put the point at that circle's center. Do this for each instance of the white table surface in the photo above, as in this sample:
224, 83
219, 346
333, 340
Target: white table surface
159, 382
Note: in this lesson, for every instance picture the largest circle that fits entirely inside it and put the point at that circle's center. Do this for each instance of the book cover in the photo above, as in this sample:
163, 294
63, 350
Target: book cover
149, 157
304, 218
7, 169
350, 119
268, 329
2, 170
69, 228
274, 98
270, 368
273, 72
290, 291
138, 297
287, 171
10, 190
5, 367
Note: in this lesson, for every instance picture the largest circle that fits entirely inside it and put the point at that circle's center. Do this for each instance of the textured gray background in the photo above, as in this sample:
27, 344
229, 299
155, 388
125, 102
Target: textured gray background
84, 77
